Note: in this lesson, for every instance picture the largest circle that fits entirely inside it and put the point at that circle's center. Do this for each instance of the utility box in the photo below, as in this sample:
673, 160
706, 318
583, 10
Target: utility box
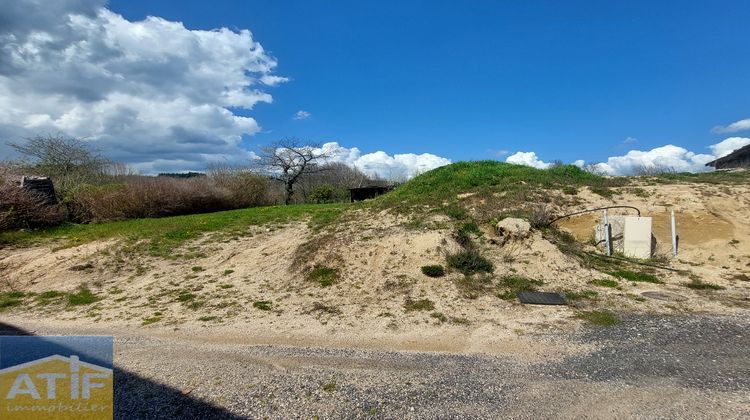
637, 242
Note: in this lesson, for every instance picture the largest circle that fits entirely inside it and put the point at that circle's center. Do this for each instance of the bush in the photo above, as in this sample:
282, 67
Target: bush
22, 209
327, 193
84, 296
469, 262
324, 276
140, 197
433, 270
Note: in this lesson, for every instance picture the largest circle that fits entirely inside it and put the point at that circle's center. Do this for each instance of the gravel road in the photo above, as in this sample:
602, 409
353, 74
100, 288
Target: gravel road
645, 367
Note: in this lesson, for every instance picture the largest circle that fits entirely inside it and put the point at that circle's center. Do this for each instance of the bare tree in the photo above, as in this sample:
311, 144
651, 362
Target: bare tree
289, 159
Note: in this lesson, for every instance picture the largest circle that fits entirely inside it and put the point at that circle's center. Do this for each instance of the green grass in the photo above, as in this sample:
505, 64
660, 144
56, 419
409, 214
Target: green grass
207, 318
418, 305
10, 299
84, 296
151, 320
433, 270
600, 318
717, 177
263, 305
581, 294
605, 283
161, 236
324, 276
448, 181
635, 276
697, 284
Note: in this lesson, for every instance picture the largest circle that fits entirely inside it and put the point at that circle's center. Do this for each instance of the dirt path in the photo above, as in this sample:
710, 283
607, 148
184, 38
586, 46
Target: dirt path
693, 366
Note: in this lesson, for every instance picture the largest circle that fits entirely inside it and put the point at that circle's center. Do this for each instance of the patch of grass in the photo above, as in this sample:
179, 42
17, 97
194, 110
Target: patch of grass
207, 318
185, 296
226, 286
151, 320
324, 276
321, 307
161, 236
603, 191
84, 296
455, 212
433, 270
227, 272
439, 316
196, 269
569, 190
469, 262
418, 305
263, 305
635, 276
472, 228
605, 283
10, 299
329, 387
600, 318
582, 294
698, 284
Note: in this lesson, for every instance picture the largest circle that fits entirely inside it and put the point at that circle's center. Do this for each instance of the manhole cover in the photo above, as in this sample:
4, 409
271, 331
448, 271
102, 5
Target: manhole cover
671, 297
541, 298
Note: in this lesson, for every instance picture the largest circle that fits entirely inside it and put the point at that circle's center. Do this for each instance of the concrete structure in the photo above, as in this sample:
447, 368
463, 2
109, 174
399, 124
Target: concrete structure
637, 238
631, 235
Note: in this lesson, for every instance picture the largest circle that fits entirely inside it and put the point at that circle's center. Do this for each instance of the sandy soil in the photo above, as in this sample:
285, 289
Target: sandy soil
378, 257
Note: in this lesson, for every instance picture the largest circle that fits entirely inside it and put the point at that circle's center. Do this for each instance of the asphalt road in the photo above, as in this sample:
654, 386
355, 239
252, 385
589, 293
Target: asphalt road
645, 367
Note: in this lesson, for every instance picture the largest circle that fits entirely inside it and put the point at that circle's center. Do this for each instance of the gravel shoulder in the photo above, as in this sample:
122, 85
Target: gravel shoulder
693, 366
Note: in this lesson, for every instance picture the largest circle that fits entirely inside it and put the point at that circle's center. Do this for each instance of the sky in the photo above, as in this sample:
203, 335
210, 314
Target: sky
391, 87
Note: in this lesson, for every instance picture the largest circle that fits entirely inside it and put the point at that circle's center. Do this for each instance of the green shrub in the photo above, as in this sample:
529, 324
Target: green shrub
327, 193
433, 270
84, 296
469, 262
324, 276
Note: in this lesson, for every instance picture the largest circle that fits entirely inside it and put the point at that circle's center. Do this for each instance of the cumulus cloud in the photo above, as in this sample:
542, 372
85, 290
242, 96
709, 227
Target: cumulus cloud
729, 145
669, 157
734, 127
381, 164
301, 115
528, 159
152, 92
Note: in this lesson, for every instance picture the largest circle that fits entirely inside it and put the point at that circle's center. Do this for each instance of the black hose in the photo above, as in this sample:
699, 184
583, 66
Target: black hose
596, 209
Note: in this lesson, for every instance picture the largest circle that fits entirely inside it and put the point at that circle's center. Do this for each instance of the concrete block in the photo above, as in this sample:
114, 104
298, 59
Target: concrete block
637, 237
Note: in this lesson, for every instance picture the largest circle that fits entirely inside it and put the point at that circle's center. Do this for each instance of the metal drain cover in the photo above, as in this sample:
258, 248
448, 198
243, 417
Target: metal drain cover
541, 298
669, 297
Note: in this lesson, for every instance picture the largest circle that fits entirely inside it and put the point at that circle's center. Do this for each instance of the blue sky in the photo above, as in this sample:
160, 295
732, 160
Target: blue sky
149, 83
569, 80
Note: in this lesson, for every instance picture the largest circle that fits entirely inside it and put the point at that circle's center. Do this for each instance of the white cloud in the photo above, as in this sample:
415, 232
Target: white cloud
630, 140
152, 93
528, 159
301, 115
398, 166
729, 145
669, 157
734, 127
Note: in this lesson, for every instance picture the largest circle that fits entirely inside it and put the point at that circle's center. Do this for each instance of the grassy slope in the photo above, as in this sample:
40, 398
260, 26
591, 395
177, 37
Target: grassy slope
445, 183
165, 234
